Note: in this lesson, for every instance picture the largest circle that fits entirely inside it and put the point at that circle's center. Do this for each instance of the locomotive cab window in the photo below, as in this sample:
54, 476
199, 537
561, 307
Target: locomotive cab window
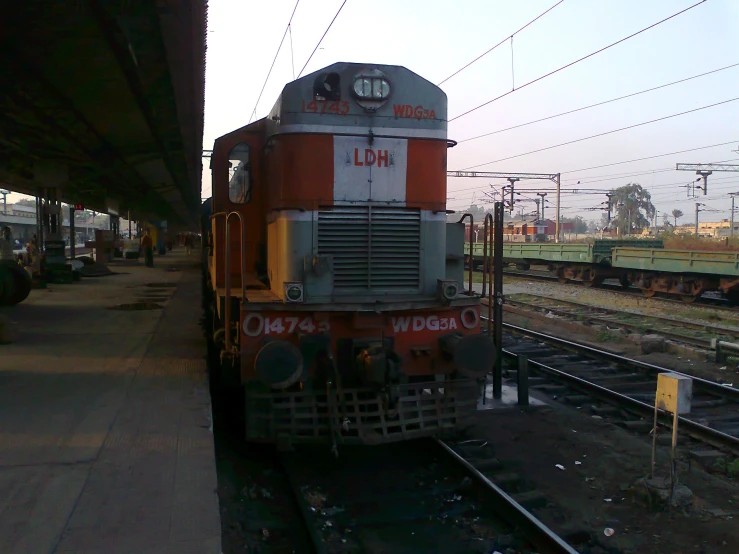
239, 169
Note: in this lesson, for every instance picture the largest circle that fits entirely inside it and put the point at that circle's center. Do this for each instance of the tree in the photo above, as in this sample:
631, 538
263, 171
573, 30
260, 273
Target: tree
26, 202
578, 224
634, 208
677, 214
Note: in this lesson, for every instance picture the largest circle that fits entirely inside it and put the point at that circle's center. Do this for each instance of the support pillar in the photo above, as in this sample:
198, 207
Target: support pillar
72, 238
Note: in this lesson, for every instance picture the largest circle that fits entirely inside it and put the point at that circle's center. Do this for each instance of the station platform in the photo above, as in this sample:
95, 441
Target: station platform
106, 442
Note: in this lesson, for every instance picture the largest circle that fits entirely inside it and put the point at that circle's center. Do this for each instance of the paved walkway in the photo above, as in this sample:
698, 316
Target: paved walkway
106, 442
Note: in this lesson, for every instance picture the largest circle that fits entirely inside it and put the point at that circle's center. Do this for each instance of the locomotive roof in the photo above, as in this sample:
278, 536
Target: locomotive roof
413, 104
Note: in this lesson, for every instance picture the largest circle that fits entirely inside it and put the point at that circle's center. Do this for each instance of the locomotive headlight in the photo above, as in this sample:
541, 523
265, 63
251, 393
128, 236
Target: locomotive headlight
371, 88
293, 292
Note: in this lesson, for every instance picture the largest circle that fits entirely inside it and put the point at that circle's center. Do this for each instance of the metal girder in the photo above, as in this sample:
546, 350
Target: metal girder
127, 56
707, 167
38, 101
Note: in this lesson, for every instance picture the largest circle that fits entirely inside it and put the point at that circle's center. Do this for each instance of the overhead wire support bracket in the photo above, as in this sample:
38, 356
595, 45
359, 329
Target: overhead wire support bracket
512, 178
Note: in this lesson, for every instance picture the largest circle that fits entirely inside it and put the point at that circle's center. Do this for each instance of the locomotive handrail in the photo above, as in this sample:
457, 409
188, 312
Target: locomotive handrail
227, 299
472, 225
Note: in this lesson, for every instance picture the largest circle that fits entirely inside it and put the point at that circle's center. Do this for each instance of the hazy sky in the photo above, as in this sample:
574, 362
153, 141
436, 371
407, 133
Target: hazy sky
434, 38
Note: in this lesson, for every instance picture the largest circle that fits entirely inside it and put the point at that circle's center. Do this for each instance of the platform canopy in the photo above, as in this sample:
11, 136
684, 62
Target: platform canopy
106, 98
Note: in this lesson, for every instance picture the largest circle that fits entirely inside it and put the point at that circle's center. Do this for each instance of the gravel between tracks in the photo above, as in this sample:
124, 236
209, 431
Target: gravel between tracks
637, 304
594, 495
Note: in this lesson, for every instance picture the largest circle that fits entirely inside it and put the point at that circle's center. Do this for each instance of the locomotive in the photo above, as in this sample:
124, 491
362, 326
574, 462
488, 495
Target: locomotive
333, 275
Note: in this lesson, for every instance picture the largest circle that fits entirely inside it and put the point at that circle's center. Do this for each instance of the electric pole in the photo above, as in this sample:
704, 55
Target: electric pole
704, 170
733, 196
512, 180
697, 210
542, 194
5, 194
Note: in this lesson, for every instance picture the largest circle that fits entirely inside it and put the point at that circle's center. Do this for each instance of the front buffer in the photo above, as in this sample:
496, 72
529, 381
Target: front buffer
361, 377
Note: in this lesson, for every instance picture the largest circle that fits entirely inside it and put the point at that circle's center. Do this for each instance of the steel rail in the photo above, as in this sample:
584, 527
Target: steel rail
637, 407
534, 531
705, 384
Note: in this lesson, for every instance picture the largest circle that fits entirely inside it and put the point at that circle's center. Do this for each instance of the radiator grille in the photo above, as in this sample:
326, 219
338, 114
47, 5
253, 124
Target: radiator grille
372, 247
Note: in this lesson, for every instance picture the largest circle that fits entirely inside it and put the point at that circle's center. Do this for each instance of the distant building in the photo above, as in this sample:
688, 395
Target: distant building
710, 229
523, 231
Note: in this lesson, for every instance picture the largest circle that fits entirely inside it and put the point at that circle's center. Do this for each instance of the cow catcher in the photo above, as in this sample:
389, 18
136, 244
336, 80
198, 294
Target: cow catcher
358, 376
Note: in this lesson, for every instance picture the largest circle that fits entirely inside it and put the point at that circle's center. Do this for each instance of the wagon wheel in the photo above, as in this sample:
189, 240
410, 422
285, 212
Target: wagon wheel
688, 298
649, 293
733, 297
563, 280
590, 283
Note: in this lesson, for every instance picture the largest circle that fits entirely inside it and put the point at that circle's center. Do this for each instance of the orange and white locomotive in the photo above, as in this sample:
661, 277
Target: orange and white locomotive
330, 253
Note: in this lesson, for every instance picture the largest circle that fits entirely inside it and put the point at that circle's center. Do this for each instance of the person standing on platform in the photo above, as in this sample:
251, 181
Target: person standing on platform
6, 245
188, 243
147, 244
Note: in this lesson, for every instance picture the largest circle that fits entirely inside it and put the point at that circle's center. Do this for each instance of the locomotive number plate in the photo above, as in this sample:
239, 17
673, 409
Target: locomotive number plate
256, 324
336, 108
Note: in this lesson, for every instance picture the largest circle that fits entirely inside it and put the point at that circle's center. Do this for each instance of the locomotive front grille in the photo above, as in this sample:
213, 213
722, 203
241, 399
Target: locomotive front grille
373, 248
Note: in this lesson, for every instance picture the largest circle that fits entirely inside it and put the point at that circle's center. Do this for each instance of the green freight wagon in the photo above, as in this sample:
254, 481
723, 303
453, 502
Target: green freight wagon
586, 262
685, 273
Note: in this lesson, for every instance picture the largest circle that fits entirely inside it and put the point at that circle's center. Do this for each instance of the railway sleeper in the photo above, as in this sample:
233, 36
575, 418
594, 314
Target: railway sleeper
606, 410
531, 500
714, 402
550, 388
577, 399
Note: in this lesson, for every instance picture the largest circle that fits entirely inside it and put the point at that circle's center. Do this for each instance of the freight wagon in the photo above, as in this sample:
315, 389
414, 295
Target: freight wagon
643, 263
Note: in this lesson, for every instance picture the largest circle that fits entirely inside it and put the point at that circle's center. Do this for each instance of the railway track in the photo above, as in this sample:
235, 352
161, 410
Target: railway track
674, 329
713, 300
621, 388
419, 496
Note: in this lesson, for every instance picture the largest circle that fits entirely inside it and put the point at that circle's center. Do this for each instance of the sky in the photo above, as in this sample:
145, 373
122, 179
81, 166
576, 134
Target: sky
435, 38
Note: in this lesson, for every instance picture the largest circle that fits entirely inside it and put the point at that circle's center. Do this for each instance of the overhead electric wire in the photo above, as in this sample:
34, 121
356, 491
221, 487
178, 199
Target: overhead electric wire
578, 60
575, 187
597, 104
651, 157
605, 133
630, 161
614, 176
254, 112
322, 37
506, 39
